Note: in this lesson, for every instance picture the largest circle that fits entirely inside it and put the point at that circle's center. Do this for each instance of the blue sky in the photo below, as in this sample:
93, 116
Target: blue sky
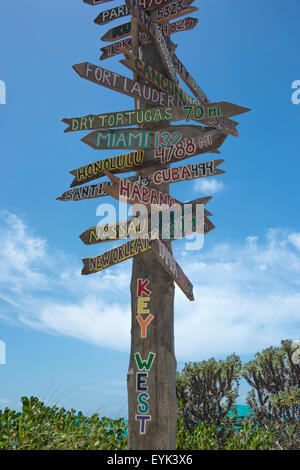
67, 337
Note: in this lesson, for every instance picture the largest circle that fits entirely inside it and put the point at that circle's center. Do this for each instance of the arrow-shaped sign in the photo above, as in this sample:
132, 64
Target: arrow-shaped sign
200, 114
113, 14
166, 259
174, 141
95, 2
123, 30
138, 226
135, 193
154, 77
172, 11
134, 248
168, 175
116, 255
126, 86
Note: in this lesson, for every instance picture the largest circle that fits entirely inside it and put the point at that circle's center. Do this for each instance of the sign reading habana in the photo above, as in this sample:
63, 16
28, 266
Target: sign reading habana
132, 192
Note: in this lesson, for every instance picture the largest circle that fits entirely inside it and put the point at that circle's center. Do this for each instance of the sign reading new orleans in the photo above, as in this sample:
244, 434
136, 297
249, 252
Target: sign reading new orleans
116, 255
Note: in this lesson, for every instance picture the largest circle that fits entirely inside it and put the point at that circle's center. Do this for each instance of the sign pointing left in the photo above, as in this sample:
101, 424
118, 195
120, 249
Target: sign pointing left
95, 2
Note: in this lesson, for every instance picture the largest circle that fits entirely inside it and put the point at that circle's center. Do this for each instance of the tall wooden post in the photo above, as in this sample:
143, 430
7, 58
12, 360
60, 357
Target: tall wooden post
152, 394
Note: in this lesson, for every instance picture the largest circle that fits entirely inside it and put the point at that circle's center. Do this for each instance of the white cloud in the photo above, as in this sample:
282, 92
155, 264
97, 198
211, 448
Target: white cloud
4, 401
210, 185
247, 294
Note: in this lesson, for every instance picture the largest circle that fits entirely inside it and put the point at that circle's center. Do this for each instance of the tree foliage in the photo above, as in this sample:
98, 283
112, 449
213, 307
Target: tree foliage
206, 392
275, 396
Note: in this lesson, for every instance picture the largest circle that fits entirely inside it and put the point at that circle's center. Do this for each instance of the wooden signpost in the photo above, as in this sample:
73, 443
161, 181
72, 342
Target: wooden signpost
156, 144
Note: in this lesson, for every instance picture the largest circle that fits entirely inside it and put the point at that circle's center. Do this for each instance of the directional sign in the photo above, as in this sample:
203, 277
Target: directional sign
116, 255
123, 30
84, 192
172, 11
154, 77
95, 2
166, 259
131, 228
134, 193
201, 114
180, 141
118, 164
153, 4
189, 81
124, 85
187, 172
169, 175
138, 226
163, 50
109, 15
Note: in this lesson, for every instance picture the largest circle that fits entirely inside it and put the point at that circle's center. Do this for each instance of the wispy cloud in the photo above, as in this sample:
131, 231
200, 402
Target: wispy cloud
211, 185
247, 294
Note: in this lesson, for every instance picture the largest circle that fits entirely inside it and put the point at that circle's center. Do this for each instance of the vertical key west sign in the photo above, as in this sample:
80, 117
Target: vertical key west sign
149, 144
